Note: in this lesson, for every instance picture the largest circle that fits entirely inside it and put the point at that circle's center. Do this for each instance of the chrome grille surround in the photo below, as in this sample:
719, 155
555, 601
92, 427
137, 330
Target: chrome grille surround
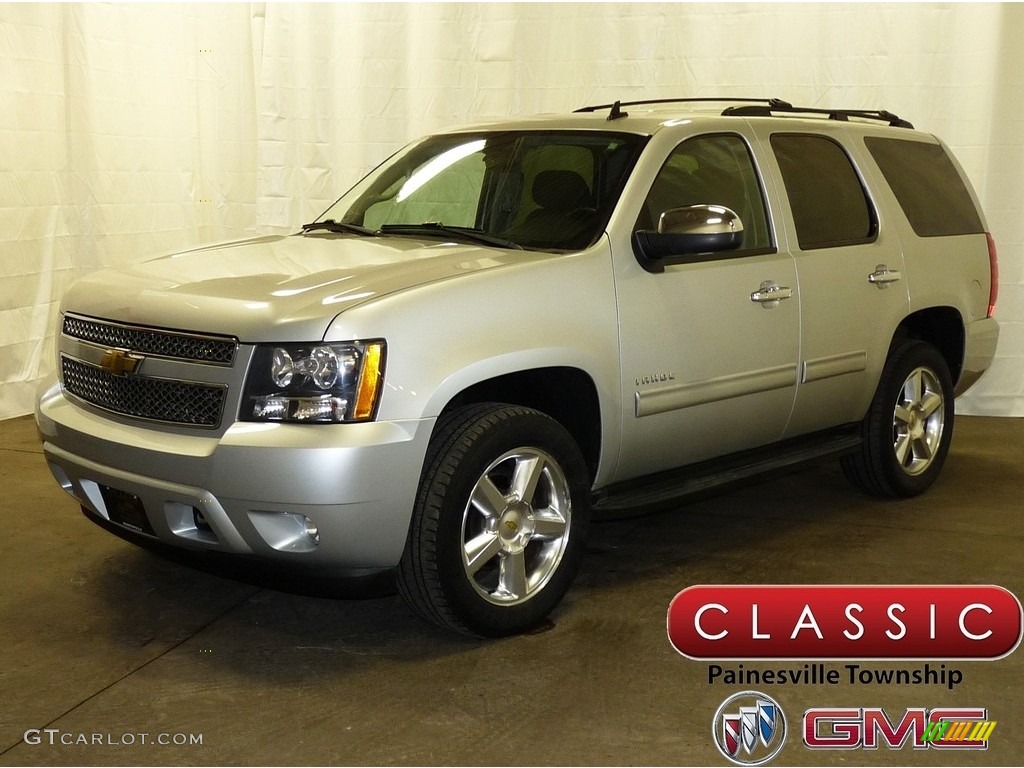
145, 397
175, 345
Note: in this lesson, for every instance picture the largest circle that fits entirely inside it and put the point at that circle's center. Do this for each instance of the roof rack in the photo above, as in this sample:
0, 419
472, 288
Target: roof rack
757, 108
832, 114
616, 107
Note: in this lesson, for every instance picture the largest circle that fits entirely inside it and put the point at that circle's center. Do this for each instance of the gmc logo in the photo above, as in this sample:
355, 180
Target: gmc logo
866, 728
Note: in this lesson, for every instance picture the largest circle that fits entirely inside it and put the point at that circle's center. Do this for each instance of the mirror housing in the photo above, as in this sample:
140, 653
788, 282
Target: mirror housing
688, 232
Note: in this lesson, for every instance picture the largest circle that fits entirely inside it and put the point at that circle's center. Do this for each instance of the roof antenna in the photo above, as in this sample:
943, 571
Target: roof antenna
617, 112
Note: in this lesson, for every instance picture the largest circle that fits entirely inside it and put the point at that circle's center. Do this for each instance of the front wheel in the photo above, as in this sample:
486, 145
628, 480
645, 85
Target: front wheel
499, 521
909, 426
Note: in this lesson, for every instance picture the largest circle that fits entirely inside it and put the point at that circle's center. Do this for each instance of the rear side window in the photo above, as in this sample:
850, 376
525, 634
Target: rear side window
927, 185
830, 206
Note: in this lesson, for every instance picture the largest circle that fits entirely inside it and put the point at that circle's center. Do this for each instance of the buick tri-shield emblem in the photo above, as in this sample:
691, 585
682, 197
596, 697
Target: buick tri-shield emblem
749, 728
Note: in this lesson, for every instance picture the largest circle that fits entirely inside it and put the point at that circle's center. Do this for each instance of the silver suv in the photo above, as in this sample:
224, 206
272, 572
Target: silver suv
506, 328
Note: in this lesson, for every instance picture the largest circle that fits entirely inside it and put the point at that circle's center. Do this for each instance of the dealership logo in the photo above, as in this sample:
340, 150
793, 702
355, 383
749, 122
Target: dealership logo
869, 728
845, 622
749, 728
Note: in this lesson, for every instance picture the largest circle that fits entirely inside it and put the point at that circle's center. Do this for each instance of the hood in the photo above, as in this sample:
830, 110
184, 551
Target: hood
275, 288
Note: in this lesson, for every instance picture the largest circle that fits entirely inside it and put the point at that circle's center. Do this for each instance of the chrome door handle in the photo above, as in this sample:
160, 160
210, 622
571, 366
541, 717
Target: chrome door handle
770, 293
882, 276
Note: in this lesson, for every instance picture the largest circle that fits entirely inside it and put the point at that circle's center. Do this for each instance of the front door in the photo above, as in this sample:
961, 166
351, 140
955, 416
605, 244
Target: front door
709, 347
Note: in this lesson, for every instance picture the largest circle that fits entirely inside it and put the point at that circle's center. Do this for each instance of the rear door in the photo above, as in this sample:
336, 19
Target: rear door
849, 265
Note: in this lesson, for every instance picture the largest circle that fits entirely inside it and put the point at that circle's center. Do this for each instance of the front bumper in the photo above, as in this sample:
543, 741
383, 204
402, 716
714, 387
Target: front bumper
338, 495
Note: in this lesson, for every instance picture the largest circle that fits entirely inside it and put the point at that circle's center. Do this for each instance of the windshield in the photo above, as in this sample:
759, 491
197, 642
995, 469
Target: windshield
542, 190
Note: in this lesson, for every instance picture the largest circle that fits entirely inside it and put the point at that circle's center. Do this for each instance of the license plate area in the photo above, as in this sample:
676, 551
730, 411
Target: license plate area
126, 509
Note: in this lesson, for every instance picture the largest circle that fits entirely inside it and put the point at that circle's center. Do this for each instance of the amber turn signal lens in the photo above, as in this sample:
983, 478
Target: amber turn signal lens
370, 379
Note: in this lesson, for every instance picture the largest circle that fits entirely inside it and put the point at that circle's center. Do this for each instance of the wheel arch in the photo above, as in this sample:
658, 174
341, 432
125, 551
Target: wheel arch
941, 327
566, 394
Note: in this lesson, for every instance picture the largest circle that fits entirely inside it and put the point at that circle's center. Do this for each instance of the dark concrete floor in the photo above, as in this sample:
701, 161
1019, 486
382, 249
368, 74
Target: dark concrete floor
100, 637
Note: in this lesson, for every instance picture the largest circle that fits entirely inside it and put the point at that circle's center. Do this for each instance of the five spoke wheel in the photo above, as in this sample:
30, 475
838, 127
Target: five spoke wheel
516, 526
499, 522
918, 421
908, 428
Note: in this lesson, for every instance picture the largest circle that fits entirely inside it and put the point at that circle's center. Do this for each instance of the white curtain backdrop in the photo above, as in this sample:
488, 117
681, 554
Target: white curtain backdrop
131, 130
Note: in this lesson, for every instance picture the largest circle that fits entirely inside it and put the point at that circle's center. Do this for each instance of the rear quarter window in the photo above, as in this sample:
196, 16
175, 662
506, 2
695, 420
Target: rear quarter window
927, 186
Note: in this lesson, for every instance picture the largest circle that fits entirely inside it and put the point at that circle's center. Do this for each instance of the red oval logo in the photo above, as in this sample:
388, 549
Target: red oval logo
845, 622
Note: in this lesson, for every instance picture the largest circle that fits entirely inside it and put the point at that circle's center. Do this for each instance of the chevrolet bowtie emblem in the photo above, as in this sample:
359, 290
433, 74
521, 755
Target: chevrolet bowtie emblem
120, 362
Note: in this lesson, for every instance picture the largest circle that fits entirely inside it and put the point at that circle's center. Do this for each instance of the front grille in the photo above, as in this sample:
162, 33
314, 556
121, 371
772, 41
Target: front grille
145, 397
179, 346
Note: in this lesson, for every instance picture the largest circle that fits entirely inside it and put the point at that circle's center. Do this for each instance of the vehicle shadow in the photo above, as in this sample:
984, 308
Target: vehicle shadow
806, 526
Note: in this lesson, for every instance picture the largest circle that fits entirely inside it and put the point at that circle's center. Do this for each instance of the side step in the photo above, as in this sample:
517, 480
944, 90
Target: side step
656, 490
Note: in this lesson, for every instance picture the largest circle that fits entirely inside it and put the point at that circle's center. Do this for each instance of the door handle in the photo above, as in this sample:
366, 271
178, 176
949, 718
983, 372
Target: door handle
882, 276
770, 294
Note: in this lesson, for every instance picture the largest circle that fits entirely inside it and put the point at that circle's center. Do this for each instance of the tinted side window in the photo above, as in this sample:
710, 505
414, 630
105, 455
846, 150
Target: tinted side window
711, 170
830, 206
927, 185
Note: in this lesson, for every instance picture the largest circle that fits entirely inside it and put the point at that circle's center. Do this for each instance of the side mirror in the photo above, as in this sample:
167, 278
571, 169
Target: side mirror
689, 231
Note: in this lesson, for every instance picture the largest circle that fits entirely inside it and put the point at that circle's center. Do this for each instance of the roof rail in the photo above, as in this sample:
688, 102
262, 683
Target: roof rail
616, 107
757, 108
832, 114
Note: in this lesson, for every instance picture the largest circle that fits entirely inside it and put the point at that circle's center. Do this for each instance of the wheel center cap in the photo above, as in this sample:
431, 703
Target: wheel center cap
916, 425
516, 525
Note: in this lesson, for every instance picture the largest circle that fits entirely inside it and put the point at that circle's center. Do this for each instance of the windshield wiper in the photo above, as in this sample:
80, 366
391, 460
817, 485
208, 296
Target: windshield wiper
436, 227
338, 226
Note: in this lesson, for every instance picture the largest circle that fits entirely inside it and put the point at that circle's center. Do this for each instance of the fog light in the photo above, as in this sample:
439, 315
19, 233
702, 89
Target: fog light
286, 531
200, 520
312, 531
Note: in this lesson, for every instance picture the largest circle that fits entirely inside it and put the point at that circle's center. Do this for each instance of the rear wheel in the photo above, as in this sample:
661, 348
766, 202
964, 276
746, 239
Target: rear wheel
909, 425
499, 522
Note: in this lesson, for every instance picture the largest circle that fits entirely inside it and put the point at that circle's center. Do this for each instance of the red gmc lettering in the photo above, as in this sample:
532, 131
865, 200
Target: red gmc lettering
876, 722
867, 728
832, 728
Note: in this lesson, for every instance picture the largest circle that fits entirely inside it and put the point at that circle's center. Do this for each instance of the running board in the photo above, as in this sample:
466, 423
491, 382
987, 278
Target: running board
670, 486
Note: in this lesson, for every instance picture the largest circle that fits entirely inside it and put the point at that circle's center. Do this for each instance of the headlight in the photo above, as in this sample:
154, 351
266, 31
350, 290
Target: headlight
317, 382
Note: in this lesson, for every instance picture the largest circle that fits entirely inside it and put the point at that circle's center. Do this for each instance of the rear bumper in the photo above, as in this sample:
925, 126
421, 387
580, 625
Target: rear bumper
338, 495
980, 342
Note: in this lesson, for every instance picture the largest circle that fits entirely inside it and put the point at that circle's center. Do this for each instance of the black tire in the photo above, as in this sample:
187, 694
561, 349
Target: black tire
529, 541
909, 426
